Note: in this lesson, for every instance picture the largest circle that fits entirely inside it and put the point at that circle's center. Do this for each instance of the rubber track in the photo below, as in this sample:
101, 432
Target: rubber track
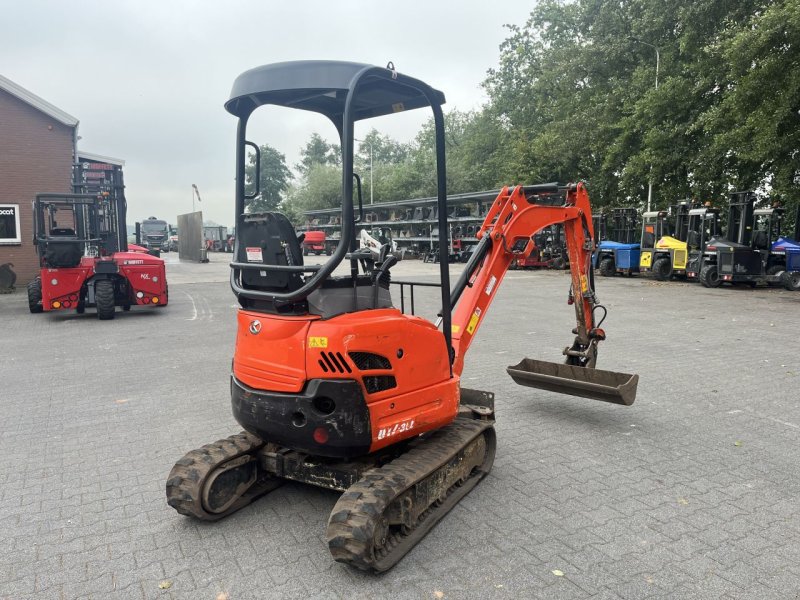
187, 477
351, 526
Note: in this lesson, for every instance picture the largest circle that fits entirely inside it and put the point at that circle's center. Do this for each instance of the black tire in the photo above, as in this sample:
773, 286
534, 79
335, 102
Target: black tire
104, 299
607, 267
662, 269
305, 251
709, 276
558, 263
327, 251
791, 280
776, 270
35, 296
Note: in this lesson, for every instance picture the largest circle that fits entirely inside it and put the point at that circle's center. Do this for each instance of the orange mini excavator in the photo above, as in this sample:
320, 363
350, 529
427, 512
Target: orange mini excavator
336, 387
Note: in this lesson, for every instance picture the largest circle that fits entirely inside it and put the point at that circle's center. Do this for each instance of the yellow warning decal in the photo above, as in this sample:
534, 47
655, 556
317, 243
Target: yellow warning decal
473, 321
317, 342
455, 328
584, 284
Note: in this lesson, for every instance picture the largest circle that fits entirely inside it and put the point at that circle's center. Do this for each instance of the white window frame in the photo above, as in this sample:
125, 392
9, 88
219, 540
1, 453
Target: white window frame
18, 239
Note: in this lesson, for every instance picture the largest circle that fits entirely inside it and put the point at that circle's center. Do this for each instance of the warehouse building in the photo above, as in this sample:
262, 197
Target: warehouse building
38, 143
38, 148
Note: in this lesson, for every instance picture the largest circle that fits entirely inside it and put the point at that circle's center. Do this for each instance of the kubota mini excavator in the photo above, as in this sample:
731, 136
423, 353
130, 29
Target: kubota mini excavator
336, 387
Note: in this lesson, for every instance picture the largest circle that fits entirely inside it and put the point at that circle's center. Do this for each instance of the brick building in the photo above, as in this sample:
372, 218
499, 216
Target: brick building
37, 150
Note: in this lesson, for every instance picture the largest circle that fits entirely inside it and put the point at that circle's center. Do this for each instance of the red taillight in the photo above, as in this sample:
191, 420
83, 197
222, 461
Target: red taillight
146, 300
67, 304
321, 435
711, 248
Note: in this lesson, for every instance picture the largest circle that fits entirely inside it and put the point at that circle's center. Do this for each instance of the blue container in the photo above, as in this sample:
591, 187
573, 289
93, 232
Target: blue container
627, 258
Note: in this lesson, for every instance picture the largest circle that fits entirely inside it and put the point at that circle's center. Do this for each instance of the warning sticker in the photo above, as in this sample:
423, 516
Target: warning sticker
455, 328
584, 284
490, 286
254, 255
317, 342
473, 321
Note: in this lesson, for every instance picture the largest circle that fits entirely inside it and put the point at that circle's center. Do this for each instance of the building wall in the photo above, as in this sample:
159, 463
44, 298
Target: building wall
35, 156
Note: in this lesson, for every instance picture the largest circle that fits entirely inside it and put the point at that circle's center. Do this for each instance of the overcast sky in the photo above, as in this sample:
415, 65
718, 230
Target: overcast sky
148, 79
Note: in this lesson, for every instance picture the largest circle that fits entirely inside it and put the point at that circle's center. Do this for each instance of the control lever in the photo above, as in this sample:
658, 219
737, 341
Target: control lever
387, 263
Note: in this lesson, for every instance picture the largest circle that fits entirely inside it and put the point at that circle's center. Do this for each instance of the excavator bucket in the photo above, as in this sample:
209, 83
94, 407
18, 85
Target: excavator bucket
607, 386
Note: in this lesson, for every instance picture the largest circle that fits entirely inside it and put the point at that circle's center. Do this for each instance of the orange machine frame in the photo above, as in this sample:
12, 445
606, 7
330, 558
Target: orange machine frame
282, 353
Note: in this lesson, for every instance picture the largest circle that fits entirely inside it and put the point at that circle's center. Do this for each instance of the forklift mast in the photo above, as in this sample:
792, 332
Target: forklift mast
599, 222
796, 232
740, 217
104, 181
624, 225
681, 215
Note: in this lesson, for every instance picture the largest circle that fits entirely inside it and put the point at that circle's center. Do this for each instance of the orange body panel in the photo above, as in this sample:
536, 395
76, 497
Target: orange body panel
288, 351
425, 396
273, 359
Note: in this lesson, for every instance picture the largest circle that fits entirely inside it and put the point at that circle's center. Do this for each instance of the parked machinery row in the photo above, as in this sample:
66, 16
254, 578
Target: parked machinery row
688, 241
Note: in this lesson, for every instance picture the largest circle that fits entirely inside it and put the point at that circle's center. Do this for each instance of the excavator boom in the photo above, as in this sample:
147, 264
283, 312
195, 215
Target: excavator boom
507, 233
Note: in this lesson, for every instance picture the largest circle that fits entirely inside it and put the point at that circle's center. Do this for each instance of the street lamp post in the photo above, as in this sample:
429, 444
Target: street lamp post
658, 62
371, 195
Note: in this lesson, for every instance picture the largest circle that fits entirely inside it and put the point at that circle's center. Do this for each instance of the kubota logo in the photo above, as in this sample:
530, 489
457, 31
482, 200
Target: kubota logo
255, 327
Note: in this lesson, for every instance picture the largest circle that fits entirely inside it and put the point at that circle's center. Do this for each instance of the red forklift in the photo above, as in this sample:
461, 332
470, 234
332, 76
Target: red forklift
83, 250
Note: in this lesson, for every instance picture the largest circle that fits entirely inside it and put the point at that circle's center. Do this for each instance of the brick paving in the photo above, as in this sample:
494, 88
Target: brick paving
690, 493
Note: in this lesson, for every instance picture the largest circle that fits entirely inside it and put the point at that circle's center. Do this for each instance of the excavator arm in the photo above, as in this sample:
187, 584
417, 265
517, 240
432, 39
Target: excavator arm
506, 233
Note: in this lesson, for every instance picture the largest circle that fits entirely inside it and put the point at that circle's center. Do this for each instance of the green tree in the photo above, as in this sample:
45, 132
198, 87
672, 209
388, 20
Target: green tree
318, 152
274, 177
755, 127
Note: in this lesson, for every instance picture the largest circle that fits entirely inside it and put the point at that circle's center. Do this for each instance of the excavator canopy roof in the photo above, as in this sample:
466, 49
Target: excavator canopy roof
322, 85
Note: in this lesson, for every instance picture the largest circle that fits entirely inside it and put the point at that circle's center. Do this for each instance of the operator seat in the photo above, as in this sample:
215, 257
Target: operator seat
760, 241
268, 238
63, 250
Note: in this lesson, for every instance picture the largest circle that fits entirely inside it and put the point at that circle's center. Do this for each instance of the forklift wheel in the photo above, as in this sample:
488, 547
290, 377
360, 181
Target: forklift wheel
35, 296
607, 267
791, 280
709, 276
104, 299
776, 271
661, 269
